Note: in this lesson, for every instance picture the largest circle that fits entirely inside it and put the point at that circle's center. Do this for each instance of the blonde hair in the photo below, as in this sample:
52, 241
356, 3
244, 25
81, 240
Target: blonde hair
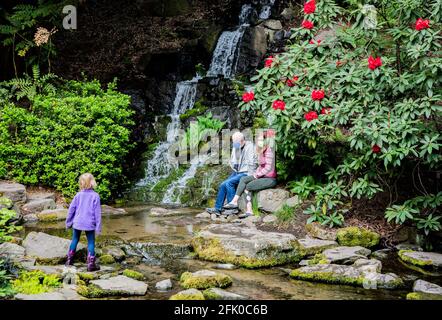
87, 181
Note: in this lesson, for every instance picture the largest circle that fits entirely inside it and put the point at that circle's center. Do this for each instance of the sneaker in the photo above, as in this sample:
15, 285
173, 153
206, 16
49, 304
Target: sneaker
230, 206
230, 212
245, 215
214, 210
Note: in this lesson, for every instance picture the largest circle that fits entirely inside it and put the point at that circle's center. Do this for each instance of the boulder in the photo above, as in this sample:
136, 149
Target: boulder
427, 287
164, 285
41, 195
38, 205
345, 255
220, 294
111, 211
272, 24
121, 285
252, 49
204, 279
12, 251
421, 259
52, 215
246, 246
29, 218
48, 249
14, 191
355, 236
293, 202
355, 275
271, 200
316, 230
189, 294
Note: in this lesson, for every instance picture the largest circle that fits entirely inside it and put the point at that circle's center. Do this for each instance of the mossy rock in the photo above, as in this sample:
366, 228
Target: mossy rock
423, 296
355, 236
212, 250
190, 294
107, 259
425, 260
133, 274
90, 291
6, 203
204, 279
87, 276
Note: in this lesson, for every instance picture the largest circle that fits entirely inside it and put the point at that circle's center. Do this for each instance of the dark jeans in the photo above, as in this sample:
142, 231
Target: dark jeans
90, 235
227, 189
252, 184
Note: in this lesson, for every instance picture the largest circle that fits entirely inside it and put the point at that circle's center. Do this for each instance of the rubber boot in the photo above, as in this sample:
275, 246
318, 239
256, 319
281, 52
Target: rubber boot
70, 258
91, 263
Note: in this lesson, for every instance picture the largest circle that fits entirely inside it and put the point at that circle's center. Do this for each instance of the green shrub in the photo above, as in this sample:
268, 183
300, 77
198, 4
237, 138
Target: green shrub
5, 277
35, 282
6, 229
79, 128
360, 123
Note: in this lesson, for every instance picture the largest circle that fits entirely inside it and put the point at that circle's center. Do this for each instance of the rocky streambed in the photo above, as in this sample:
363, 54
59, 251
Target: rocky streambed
166, 253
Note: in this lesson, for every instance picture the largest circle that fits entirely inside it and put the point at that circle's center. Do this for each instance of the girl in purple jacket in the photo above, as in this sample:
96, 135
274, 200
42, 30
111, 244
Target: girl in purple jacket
85, 215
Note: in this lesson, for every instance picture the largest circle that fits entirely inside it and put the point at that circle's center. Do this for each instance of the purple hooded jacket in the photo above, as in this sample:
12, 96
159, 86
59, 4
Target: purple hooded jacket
85, 212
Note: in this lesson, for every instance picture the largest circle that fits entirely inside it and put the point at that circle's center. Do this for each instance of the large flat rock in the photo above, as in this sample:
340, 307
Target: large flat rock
121, 285
427, 287
38, 205
48, 249
245, 246
422, 259
345, 255
14, 191
365, 275
53, 215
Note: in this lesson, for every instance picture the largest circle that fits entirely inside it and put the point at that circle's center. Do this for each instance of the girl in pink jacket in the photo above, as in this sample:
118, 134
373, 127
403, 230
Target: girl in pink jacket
263, 178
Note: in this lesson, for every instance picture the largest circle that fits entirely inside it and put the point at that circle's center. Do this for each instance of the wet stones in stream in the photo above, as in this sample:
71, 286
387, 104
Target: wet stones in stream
246, 246
156, 253
204, 279
363, 273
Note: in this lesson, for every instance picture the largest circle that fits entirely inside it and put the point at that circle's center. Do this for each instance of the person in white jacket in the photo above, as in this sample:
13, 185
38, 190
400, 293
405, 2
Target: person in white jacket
243, 162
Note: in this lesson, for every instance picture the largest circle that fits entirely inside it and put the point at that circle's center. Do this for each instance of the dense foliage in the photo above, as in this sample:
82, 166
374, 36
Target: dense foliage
6, 228
52, 136
359, 98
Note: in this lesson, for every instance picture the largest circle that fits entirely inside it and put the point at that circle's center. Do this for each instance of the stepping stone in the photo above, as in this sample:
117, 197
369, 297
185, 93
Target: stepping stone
164, 285
309, 246
203, 215
14, 191
38, 205
48, 249
205, 279
189, 294
53, 215
345, 255
220, 294
347, 275
121, 285
427, 287
421, 259
42, 296
246, 246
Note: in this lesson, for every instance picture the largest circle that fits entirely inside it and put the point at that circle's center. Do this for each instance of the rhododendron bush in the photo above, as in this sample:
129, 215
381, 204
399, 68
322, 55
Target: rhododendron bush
366, 104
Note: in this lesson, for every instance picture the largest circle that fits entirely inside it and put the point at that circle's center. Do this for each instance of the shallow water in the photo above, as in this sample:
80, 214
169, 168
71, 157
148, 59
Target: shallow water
271, 283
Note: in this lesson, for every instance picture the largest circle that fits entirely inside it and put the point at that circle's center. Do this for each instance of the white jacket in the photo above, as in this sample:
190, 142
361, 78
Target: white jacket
247, 160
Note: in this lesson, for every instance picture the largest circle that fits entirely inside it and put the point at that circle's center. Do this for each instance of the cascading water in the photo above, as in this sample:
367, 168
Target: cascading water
160, 165
224, 63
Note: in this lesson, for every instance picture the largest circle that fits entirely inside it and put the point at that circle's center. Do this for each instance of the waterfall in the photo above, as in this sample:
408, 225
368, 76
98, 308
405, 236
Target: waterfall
224, 63
174, 191
160, 166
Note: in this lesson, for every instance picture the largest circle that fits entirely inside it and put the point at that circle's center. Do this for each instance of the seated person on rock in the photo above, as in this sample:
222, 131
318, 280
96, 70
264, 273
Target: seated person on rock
263, 178
243, 162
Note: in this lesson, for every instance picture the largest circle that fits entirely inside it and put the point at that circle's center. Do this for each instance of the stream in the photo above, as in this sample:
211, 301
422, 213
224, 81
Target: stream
269, 283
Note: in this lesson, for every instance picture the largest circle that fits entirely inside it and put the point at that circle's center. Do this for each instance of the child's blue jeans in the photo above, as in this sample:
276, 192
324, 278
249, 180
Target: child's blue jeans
90, 235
